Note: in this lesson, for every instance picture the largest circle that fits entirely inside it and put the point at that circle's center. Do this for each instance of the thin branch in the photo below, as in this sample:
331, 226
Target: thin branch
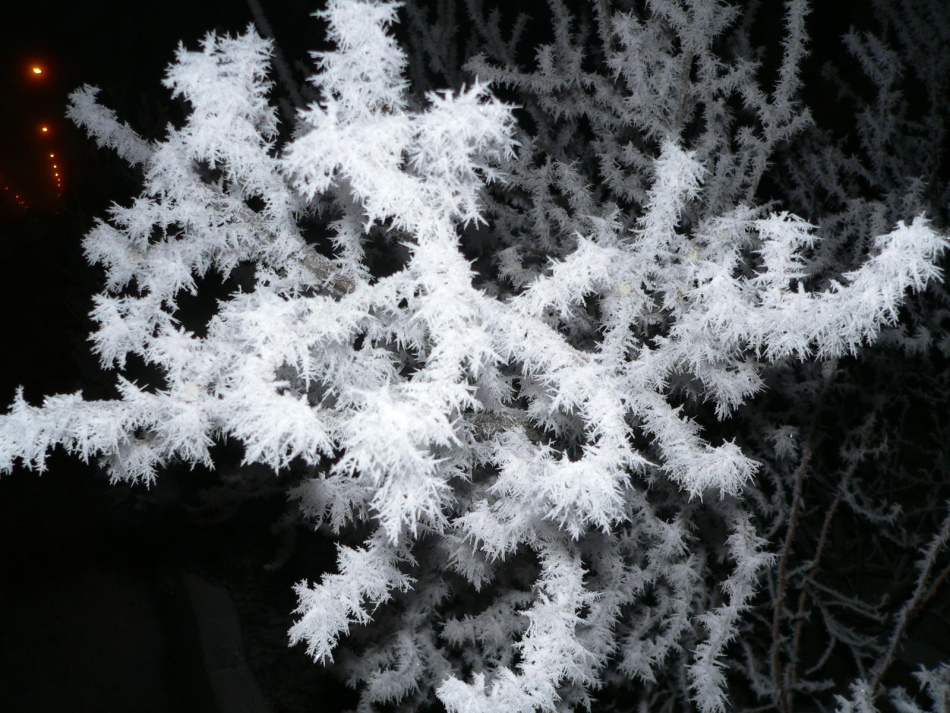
780, 689
936, 585
608, 29
792, 673
922, 593
280, 64
803, 597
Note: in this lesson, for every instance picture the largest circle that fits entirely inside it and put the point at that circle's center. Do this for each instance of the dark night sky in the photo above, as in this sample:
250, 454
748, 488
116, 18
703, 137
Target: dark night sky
120, 46
123, 47
90, 622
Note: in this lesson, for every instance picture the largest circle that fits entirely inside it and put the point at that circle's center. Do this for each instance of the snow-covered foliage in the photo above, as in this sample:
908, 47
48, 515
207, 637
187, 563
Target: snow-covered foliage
510, 418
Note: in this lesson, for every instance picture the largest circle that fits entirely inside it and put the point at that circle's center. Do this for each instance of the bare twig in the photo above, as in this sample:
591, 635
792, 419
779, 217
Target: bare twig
605, 18
781, 690
922, 594
803, 597
283, 69
792, 673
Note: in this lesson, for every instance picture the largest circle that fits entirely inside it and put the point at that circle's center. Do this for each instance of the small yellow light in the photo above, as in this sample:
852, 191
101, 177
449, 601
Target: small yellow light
44, 129
52, 155
37, 70
55, 166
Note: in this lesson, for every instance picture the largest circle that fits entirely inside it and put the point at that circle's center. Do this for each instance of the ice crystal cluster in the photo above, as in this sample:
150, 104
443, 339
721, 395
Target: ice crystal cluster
548, 365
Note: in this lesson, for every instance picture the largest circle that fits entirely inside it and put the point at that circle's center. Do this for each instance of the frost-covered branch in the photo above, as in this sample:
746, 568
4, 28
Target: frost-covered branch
550, 373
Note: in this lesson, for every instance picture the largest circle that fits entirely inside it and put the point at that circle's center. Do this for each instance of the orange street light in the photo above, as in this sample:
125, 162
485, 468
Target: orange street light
37, 70
44, 129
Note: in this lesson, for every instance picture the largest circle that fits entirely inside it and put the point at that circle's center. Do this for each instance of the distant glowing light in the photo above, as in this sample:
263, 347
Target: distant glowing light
37, 70
52, 155
44, 129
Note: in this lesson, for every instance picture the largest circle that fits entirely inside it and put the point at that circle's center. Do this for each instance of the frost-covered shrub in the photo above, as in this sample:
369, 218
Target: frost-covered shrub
519, 364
